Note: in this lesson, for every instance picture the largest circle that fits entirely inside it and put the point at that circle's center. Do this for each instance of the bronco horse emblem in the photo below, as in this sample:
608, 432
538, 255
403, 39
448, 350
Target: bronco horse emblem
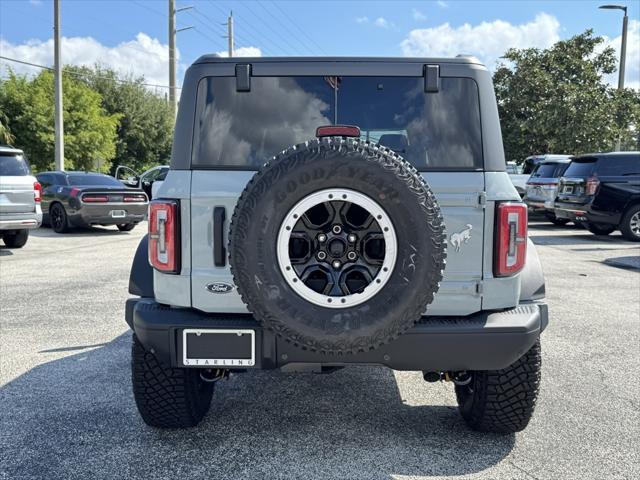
460, 238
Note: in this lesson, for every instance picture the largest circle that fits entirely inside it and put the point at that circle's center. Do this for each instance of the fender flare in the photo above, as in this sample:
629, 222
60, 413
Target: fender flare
141, 276
531, 278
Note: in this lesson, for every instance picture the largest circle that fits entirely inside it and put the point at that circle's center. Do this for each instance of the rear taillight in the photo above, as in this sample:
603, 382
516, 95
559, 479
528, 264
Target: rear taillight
592, 185
37, 192
75, 191
139, 197
88, 198
164, 240
511, 239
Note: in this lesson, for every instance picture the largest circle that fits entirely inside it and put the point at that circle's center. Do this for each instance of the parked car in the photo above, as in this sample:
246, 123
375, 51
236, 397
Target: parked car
19, 198
520, 179
81, 199
146, 180
542, 188
602, 190
290, 234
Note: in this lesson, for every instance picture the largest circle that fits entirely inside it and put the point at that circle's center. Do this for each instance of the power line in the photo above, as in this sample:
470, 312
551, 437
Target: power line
306, 46
78, 74
298, 27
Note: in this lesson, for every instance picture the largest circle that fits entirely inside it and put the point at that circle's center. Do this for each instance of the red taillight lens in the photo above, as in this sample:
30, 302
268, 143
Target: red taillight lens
95, 198
37, 192
74, 192
511, 239
592, 185
134, 198
338, 131
164, 240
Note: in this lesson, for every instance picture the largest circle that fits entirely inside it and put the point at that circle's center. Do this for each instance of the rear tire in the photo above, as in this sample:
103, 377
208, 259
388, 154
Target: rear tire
630, 224
600, 229
502, 401
555, 220
58, 218
126, 227
167, 397
16, 240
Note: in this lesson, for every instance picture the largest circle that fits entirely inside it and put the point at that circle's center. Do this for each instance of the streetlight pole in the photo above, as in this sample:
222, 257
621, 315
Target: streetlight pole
623, 50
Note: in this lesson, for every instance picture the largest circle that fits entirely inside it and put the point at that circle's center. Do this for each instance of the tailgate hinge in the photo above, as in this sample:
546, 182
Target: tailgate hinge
243, 78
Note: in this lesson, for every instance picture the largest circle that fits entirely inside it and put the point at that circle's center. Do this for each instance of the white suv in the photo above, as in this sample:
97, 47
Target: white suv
20, 195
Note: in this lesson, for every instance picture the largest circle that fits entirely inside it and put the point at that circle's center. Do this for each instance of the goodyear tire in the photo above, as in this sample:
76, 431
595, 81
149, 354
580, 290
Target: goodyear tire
337, 245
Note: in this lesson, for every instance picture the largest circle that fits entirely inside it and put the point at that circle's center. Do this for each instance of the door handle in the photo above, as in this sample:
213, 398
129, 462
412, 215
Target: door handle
219, 250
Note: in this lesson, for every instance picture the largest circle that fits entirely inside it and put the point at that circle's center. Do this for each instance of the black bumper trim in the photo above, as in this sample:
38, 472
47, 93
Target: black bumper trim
483, 341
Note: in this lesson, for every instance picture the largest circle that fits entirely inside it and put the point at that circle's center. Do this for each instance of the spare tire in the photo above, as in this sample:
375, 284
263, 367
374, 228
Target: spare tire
337, 245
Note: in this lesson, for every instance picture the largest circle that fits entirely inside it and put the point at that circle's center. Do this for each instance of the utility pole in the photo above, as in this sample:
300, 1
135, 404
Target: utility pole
172, 56
57, 72
230, 33
172, 52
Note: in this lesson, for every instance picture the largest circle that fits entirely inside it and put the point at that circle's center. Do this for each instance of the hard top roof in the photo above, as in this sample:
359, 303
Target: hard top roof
460, 59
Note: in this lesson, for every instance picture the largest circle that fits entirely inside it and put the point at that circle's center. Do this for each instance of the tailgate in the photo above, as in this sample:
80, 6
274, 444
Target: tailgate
459, 199
573, 190
17, 195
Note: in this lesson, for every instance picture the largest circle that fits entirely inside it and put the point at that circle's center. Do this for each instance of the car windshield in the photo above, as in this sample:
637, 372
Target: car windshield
12, 165
581, 167
431, 130
88, 179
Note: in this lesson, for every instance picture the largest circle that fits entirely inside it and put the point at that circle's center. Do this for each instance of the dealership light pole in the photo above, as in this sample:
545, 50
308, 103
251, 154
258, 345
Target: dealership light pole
623, 49
57, 73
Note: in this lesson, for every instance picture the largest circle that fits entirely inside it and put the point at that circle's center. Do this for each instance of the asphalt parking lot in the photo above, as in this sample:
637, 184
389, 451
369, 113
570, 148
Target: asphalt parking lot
68, 412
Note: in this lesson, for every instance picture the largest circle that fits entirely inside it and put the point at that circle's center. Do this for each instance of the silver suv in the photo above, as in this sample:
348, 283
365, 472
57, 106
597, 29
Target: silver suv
20, 195
327, 212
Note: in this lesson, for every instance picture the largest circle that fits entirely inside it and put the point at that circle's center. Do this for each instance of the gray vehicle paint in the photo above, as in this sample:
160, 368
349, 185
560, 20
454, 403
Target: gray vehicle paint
18, 208
467, 198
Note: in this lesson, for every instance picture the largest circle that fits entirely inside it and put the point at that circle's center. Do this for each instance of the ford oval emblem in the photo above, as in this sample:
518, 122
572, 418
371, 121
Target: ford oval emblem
219, 287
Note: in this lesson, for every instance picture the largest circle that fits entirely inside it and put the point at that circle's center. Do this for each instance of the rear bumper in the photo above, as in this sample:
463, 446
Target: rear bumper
101, 214
483, 341
20, 221
585, 213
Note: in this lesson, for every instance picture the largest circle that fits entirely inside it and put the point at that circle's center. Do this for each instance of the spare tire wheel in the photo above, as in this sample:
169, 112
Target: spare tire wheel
337, 245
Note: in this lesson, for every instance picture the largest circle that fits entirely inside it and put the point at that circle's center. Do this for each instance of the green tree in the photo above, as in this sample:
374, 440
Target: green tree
556, 101
89, 131
6, 136
145, 129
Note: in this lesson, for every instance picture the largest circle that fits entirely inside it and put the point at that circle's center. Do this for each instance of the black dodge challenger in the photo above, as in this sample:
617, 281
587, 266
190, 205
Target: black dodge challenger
80, 199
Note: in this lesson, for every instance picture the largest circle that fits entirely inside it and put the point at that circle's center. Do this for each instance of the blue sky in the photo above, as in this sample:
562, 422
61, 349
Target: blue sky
131, 36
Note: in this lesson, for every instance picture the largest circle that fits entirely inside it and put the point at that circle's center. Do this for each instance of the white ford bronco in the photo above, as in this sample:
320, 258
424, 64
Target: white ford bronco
327, 212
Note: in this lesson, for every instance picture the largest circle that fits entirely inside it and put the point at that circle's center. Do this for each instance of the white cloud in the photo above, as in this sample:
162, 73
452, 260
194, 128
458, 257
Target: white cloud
362, 19
243, 52
442, 4
632, 66
382, 22
418, 15
143, 56
488, 41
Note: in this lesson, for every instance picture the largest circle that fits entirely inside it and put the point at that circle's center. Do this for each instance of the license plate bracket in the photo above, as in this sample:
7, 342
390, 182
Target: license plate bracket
567, 189
218, 348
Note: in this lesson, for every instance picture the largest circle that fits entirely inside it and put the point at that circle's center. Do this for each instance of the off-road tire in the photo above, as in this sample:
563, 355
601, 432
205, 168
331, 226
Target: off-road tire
555, 220
502, 401
167, 397
600, 229
625, 224
126, 227
367, 168
16, 240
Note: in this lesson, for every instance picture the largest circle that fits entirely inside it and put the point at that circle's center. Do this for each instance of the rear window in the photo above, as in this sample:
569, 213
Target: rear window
93, 180
611, 166
549, 170
244, 129
12, 165
581, 168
